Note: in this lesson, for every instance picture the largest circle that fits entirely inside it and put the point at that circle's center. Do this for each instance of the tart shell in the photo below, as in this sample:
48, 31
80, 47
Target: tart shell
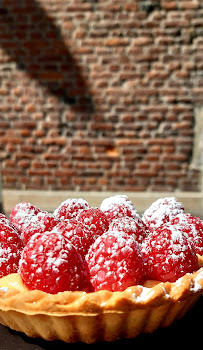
100, 316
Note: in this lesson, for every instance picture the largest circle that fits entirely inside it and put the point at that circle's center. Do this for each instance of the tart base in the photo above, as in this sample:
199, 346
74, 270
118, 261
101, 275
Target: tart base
93, 328
103, 315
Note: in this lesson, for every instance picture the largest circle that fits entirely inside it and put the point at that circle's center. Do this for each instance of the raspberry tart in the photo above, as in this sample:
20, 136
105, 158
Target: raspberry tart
94, 274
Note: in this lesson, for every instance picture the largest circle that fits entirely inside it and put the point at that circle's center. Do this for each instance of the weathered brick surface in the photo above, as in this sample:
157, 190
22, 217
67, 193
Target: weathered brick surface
100, 95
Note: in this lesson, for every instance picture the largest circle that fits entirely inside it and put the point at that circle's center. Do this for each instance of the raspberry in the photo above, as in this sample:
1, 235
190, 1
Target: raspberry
131, 226
168, 254
116, 211
39, 223
95, 220
10, 249
75, 233
22, 213
70, 208
193, 228
50, 264
5, 220
162, 211
114, 262
118, 199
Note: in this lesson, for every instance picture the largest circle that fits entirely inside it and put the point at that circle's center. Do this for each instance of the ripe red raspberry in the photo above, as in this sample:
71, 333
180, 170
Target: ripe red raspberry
193, 228
162, 211
117, 199
75, 233
95, 220
70, 208
50, 264
168, 254
10, 249
116, 211
114, 262
131, 226
5, 220
39, 223
21, 214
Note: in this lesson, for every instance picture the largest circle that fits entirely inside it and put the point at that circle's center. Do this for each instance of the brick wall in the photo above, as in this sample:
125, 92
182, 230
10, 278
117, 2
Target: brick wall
100, 95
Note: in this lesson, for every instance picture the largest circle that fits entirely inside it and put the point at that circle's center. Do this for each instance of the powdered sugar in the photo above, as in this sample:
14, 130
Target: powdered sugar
146, 294
70, 208
116, 211
95, 221
132, 226
198, 282
161, 211
118, 242
39, 223
75, 233
168, 254
114, 262
22, 213
10, 249
117, 199
192, 228
51, 264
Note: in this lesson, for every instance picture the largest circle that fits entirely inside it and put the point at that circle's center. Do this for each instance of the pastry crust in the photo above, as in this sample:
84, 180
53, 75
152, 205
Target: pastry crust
103, 315
82, 303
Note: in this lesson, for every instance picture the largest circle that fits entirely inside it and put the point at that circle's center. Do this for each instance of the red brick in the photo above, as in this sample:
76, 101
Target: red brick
116, 42
61, 141
25, 132
79, 7
157, 74
3, 92
30, 108
188, 4
39, 172
104, 98
169, 5
24, 164
131, 7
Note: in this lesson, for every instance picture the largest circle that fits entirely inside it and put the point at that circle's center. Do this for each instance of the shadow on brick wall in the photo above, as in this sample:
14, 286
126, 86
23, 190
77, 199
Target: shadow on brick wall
31, 39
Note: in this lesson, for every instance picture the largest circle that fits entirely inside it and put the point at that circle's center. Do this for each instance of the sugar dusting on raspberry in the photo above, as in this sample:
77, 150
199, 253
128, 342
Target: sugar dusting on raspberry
117, 199
131, 226
39, 223
162, 211
70, 208
114, 262
50, 264
109, 248
168, 254
21, 214
75, 233
5, 220
10, 249
115, 211
193, 228
95, 221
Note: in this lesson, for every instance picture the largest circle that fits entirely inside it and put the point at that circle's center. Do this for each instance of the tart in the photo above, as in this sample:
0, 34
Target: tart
105, 298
